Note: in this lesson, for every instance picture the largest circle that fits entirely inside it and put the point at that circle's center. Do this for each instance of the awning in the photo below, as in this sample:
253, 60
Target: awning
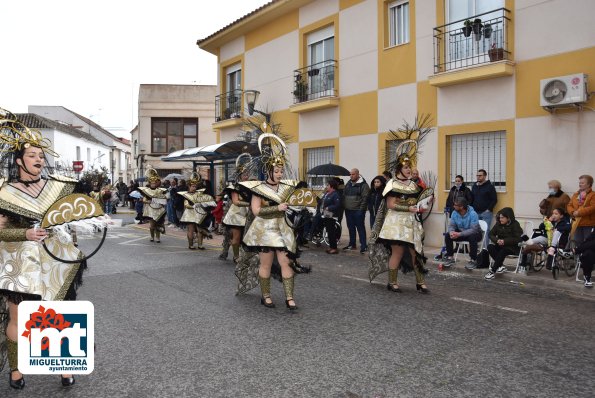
221, 151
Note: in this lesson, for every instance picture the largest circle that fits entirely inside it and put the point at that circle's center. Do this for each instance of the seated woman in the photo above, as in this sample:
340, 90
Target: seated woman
586, 250
556, 199
505, 236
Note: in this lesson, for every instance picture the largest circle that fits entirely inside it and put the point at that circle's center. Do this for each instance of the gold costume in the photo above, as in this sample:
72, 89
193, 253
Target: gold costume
25, 266
154, 202
236, 215
195, 205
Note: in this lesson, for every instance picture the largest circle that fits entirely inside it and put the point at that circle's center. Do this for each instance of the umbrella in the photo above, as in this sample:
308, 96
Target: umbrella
171, 176
328, 170
135, 195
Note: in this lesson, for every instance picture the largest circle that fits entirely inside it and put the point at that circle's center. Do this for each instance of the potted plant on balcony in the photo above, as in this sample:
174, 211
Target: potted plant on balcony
301, 90
467, 29
487, 30
496, 53
476, 27
313, 72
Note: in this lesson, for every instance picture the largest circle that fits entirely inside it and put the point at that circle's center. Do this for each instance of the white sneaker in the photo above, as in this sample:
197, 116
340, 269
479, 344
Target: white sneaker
501, 270
490, 275
588, 283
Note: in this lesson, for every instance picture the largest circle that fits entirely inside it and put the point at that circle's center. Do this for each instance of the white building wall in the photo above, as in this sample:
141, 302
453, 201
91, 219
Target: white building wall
396, 104
232, 49
317, 10
65, 145
319, 125
425, 20
360, 152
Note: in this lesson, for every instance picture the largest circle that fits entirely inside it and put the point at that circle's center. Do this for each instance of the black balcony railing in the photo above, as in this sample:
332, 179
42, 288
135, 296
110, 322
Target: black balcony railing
314, 81
478, 40
228, 105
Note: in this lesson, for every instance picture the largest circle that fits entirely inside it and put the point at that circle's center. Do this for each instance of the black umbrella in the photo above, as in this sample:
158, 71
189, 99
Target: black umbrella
328, 170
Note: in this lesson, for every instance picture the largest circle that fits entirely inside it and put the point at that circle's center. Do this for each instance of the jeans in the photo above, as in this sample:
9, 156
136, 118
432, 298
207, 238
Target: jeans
486, 216
171, 213
107, 207
356, 221
472, 239
329, 224
499, 253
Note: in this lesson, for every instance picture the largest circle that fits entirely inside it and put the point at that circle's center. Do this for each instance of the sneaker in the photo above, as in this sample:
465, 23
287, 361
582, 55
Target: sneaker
588, 282
471, 264
349, 247
501, 270
438, 257
490, 275
363, 250
448, 261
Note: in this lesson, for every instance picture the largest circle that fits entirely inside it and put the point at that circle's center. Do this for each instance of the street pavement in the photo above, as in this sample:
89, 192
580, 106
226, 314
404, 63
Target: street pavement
168, 324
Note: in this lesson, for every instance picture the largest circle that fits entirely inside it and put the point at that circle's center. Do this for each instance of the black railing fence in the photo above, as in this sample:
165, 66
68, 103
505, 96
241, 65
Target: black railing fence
314, 81
228, 105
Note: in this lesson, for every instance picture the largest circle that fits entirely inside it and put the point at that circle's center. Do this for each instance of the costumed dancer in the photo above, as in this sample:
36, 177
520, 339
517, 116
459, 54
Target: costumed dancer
196, 208
397, 236
154, 202
267, 231
27, 195
235, 219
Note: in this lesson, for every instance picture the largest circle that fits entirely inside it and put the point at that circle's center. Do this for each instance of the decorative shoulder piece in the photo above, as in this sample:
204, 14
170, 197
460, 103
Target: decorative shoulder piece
62, 178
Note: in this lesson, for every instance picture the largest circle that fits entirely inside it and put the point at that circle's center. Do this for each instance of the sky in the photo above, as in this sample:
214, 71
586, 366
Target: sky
91, 55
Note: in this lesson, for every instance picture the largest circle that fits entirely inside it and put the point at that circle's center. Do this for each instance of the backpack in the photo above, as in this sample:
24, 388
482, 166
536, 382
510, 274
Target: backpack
483, 259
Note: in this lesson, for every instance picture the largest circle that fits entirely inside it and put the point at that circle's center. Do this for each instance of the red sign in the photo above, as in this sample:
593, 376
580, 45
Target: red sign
77, 166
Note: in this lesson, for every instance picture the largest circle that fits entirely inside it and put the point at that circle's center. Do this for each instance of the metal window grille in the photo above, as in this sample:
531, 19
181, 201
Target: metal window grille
468, 153
398, 23
315, 157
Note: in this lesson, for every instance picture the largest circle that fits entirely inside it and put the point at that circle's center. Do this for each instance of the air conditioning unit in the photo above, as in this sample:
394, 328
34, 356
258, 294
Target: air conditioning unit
564, 90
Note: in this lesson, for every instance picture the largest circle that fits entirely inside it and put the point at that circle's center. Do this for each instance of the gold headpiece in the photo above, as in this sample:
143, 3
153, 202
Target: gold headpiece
242, 163
194, 179
274, 152
152, 176
407, 153
14, 135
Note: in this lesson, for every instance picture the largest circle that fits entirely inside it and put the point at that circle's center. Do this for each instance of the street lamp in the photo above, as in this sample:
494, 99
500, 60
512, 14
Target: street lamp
251, 98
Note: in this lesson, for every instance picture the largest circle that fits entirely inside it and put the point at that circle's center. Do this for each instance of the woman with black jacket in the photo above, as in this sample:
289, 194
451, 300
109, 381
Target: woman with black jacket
586, 250
375, 197
459, 190
331, 208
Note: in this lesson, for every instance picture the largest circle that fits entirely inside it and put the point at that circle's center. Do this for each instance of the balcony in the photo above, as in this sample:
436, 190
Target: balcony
473, 49
228, 109
314, 87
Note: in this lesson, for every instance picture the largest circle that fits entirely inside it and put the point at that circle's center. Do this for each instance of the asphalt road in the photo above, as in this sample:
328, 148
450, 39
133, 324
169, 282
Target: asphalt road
169, 325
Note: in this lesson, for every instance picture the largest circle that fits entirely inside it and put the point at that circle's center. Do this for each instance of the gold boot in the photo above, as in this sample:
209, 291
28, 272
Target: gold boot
199, 239
236, 252
152, 231
420, 279
393, 283
191, 244
288, 287
265, 288
157, 236
13, 363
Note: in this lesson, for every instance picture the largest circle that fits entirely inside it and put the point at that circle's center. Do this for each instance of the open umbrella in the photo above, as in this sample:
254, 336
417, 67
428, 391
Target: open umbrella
328, 169
171, 176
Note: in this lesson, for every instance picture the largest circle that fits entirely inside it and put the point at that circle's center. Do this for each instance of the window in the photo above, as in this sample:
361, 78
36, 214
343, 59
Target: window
78, 153
315, 157
398, 23
321, 65
233, 99
172, 134
468, 153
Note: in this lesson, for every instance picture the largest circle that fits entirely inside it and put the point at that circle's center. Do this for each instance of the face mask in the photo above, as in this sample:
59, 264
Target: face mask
552, 191
458, 185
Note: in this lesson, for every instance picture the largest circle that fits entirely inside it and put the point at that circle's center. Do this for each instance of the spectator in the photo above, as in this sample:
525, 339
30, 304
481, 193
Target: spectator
387, 175
355, 197
582, 209
505, 237
484, 199
556, 199
131, 187
171, 212
586, 251
459, 190
417, 179
122, 189
375, 197
179, 200
106, 198
217, 213
561, 232
331, 206
463, 226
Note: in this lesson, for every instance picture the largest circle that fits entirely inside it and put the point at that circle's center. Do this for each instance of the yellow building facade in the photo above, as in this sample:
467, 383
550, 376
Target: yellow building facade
339, 74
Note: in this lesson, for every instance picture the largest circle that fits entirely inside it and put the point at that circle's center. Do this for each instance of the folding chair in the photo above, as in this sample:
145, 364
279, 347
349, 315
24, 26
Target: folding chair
461, 244
527, 230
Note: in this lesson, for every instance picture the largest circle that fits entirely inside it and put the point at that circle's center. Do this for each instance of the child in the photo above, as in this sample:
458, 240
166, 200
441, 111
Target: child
218, 214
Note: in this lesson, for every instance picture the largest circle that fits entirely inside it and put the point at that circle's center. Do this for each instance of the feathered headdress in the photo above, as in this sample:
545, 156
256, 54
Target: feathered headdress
152, 176
194, 179
14, 135
410, 138
273, 151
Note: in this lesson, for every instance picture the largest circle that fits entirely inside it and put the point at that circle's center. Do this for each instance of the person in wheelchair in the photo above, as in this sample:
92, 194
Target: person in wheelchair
552, 233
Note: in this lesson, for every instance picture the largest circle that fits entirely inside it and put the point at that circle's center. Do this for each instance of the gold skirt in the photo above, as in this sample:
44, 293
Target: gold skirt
153, 213
26, 267
402, 226
270, 232
236, 216
192, 216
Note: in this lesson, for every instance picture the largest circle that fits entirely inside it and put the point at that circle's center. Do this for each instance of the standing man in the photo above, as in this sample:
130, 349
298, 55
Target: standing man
484, 199
122, 189
355, 197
